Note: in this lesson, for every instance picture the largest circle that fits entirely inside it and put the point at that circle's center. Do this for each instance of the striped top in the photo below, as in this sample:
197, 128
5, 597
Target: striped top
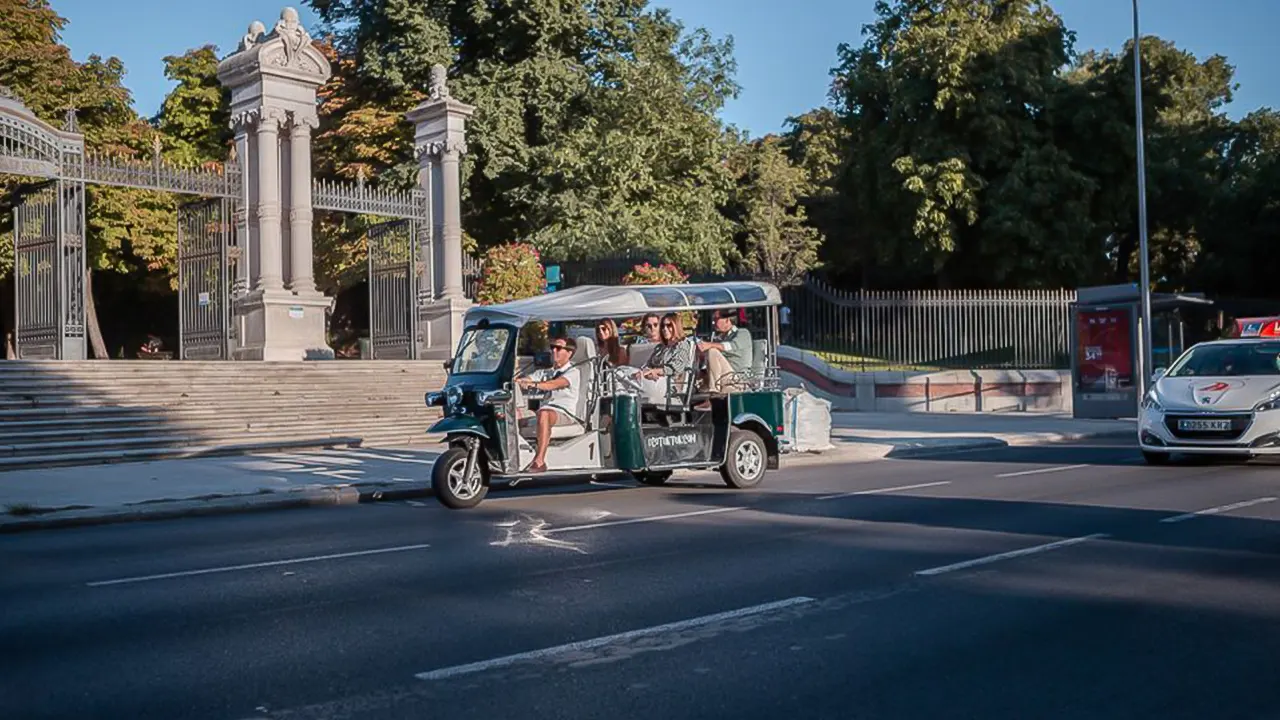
672, 359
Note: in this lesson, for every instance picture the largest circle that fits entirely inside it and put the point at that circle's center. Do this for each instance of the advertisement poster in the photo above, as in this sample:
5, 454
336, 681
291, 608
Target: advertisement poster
1104, 355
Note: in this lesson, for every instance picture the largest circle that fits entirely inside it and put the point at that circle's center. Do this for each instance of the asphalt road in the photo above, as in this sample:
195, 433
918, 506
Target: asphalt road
1054, 582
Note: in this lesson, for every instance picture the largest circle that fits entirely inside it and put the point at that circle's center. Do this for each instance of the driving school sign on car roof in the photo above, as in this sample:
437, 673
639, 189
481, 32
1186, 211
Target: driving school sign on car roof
1258, 327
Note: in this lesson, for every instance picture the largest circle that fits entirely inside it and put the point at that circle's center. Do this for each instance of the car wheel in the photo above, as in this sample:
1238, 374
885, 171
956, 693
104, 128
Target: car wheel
451, 489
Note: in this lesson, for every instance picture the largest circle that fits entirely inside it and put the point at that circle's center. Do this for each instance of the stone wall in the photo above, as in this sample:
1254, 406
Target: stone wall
948, 391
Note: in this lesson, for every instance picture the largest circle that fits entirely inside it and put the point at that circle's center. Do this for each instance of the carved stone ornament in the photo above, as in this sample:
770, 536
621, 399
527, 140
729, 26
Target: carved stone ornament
439, 148
6, 93
273, 116
439, 89
245, 119
289, 29
253, 36
305, 119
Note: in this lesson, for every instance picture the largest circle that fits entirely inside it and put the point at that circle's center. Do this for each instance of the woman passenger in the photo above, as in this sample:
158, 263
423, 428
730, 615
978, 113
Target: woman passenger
608, 343
672, 357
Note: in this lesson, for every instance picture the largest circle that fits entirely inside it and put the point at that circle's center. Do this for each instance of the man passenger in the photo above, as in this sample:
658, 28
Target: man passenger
729, 350
564, 383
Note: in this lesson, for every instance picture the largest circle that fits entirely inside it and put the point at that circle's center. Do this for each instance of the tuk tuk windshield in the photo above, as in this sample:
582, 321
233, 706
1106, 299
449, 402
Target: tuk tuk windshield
481, 350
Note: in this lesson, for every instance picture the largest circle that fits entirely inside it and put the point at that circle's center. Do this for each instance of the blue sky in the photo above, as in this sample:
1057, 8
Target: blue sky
785, 50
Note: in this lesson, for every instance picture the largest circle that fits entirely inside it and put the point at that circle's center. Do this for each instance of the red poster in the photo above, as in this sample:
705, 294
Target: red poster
1104, 355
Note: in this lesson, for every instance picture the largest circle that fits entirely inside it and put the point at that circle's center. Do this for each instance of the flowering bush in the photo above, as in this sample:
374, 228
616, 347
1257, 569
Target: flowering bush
665, 274
647, 274
512, 272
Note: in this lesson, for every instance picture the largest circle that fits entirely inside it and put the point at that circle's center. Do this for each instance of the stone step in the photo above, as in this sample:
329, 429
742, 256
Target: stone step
169, 452
208, 429
179, 437
60, 413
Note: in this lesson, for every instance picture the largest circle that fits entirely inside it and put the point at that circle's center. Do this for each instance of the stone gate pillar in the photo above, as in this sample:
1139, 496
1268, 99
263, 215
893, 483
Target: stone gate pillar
440, 141
273, 78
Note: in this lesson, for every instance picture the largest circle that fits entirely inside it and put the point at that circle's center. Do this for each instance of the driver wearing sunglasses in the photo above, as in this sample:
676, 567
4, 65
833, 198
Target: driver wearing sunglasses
562, 382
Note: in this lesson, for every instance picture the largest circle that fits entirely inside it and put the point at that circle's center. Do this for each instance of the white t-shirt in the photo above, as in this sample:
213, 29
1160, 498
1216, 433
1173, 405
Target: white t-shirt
565, 398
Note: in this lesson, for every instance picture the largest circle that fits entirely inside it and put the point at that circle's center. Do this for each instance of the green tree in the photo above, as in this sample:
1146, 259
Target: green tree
596, 121
194, 118
1185, 134
954, 166
774, 237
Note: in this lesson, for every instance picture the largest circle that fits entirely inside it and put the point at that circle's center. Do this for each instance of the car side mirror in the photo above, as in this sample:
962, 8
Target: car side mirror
1159, 373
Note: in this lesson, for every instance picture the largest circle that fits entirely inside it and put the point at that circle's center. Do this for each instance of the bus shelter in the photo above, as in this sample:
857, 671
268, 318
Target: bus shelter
1106, 341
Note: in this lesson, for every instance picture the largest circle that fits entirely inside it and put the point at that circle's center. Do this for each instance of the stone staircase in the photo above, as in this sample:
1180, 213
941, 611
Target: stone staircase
74, 413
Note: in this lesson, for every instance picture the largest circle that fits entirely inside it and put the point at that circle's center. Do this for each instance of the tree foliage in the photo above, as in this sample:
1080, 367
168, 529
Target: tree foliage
595, 127
774, 236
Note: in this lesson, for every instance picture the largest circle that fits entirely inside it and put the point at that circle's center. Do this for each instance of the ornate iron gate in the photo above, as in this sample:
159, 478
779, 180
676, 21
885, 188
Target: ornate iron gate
393, 290
205, 276
49, 273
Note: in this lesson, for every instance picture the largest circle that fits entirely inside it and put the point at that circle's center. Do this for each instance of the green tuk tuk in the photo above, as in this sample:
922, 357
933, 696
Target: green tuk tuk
615, 429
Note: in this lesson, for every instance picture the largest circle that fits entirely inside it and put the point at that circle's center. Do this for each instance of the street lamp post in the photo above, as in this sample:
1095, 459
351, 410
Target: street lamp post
1146, 352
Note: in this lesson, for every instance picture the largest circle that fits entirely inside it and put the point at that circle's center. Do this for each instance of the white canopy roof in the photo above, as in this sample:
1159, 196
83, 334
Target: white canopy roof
591, 302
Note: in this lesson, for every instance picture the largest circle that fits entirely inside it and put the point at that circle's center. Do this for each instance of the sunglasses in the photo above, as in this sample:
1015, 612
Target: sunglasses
559, 347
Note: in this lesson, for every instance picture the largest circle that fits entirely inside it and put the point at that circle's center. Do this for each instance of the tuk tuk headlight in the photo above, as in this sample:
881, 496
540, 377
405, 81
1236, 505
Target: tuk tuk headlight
454, 396
435, 398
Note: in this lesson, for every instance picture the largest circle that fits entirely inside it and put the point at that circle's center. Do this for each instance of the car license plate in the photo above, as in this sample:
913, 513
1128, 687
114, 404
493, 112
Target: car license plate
1193, 425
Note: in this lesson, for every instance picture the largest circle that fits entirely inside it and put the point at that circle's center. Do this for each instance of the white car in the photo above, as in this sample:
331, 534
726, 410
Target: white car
1219, 398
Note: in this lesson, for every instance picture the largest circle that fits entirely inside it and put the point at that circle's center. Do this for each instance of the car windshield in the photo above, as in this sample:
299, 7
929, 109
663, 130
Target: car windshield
481, 350
1228, 359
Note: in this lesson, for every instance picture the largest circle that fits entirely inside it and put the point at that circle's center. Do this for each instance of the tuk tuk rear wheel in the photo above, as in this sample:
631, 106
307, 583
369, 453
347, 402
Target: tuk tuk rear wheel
744, 460
451, 489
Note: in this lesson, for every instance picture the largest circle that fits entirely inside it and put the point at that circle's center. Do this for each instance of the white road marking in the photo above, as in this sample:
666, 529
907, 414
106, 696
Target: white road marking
1011, 554
632, 521
273, 563
610, 484
877, 491
1041, 471
1219, 509
376, 456
455, 670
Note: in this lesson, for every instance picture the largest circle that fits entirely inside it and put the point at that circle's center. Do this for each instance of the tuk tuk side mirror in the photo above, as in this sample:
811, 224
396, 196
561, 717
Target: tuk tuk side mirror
448, 365
494, 397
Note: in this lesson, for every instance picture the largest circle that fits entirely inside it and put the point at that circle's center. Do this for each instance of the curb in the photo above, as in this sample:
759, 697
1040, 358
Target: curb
896, 452
352, 495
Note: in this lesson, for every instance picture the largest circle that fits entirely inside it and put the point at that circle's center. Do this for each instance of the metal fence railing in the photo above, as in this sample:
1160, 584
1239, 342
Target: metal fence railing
867, 330
925, 329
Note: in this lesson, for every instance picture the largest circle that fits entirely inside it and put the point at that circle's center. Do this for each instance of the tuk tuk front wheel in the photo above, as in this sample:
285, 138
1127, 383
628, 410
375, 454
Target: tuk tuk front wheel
451, 488
744, 460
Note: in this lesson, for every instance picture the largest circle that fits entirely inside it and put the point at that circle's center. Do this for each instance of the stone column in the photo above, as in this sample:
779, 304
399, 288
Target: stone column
452, 236
273, 78
301, 280
270, 252
439, 143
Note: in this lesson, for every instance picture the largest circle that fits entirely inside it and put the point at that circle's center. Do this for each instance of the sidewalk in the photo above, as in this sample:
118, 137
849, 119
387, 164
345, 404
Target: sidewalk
94, 494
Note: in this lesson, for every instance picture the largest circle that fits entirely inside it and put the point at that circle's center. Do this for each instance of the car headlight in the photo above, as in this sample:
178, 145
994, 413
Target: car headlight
1150, 402
1271, 403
